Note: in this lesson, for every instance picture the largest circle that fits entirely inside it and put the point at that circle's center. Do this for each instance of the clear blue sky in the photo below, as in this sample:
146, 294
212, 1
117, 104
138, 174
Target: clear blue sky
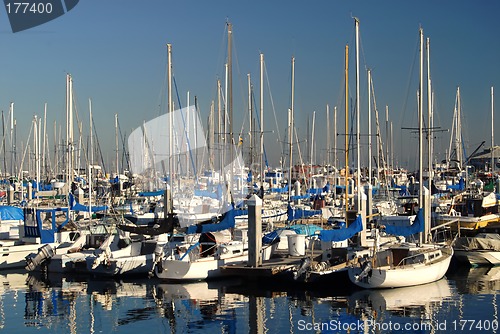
115, 50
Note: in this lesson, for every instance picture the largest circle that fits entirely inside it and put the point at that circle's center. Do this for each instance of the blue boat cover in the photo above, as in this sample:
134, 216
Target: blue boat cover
404, 231
280, 190
151, 193
270, 238
227, 221
306, 229
318, 191
297, 197
459, 186
315, 191
342, 233
75, 206
11, 213
295, 213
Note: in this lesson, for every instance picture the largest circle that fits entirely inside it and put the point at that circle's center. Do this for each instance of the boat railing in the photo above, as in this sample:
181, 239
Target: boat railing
207, 249
404, 261
189, 252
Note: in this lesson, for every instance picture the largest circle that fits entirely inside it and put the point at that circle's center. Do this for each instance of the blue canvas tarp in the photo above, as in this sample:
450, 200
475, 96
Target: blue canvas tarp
11, 213
270, 238
296, 213
226, 222
342, 233
404, 231
75, 206
306, 229
315, 191
297, 197
279, 190
151, 193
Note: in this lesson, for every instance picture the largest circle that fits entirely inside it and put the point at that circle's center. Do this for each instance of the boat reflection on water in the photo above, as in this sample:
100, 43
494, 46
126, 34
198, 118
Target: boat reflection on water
477, 280
409, 301
79, 304
11, 283
12, 280
199, 303
55, 298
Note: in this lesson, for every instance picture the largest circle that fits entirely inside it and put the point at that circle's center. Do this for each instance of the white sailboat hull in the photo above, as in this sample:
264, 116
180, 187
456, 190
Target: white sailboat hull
402, 276
201, 269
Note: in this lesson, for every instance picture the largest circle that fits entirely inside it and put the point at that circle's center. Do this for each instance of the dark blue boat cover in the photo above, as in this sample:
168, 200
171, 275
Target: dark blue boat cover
227, 221
342, 233
404, 231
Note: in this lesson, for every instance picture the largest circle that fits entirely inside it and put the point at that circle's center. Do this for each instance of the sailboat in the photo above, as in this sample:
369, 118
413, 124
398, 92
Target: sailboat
337, 254
211, 243
403, 264
201, 256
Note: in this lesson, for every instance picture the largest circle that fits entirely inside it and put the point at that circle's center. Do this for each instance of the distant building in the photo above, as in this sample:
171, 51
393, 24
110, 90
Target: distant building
482, 160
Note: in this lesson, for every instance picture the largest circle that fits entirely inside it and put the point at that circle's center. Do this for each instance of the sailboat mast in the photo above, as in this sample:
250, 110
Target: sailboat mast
358, 148
458, 142
170, 128
44, 141
346, 174
36, 146
328, 137
219, 112
420, 120
290, 132
68, 128
228, 133
91, 163
392, 148
369, 128
71, 129
388, 142
262, 118
312, 145
3, 150
211, 134
335, 144
230, 96
492, 136
226, 108
116, 144
250, 118
11, 116
188, 118
428, 208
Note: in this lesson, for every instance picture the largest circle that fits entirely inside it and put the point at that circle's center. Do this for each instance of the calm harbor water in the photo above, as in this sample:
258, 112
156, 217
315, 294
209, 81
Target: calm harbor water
466, 301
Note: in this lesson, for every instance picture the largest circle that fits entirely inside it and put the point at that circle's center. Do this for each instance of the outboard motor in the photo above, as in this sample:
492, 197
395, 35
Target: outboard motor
366, 267
304, 264
159, 253
34, 260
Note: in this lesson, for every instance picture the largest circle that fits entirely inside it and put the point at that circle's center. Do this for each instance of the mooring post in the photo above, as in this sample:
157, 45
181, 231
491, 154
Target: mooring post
254, 231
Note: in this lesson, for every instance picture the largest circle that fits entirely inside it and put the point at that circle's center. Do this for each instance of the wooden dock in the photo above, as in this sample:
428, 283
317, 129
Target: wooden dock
274, 267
